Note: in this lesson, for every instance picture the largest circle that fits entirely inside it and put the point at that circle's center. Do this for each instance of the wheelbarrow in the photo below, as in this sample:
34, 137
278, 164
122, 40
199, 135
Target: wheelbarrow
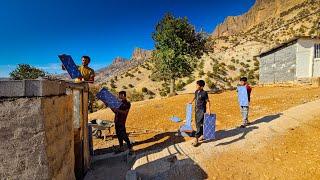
98, 125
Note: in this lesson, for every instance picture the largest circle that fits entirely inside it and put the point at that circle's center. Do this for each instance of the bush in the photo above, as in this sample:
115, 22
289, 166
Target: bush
210, 74
144, 90
139, 72
25, 71
201, 73
163, 93
232, 67
124, 87
138, 79
136, 96
131, 86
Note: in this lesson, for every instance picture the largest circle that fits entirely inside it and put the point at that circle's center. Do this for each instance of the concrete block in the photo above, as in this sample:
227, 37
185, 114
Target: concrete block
31, 88
44, 88
11, 88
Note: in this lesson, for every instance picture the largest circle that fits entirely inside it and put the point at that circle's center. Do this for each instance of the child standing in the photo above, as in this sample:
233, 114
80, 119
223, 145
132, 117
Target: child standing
245, 109
201, 99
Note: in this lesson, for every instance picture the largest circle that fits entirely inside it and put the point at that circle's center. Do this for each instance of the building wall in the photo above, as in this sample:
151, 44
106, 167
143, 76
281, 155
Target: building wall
36, 135
278, 66
307, 65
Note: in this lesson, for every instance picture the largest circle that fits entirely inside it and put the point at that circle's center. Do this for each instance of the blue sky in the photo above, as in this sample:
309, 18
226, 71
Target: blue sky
36, 31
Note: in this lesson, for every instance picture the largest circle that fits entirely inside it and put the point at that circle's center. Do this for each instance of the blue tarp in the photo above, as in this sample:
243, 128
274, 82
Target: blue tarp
70, 66
108, 98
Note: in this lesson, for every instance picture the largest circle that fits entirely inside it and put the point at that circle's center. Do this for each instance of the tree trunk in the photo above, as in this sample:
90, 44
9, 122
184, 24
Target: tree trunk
172, 87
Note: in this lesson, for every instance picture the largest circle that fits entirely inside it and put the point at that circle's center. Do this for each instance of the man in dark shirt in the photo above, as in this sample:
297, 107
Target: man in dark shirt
120, 123
201, 99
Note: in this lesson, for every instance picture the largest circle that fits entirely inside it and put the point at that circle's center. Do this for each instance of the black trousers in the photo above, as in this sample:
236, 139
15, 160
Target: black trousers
122, 134
199, 122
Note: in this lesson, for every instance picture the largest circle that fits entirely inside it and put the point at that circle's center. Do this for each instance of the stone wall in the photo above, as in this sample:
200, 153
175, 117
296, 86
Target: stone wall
36, 135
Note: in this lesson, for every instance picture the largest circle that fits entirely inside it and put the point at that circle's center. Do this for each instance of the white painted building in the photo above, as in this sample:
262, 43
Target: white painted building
294, 60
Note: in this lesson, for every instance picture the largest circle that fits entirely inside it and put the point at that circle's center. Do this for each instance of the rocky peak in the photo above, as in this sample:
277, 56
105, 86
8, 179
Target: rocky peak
118, 60
141, 54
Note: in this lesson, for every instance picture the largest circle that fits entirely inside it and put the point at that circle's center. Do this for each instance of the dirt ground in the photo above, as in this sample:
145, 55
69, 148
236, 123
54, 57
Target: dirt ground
293, 155
149, 122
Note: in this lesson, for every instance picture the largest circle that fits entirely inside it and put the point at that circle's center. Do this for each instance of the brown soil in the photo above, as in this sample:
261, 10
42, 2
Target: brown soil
293, 155
149, 125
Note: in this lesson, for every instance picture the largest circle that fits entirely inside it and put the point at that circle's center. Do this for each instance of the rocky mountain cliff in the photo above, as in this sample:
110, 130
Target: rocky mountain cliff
260, 12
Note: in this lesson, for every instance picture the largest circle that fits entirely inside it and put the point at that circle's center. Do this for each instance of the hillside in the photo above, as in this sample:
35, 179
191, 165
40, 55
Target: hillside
234, 44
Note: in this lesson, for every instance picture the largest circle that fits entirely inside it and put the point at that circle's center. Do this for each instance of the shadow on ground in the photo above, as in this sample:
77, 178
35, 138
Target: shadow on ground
170, 139
222, 134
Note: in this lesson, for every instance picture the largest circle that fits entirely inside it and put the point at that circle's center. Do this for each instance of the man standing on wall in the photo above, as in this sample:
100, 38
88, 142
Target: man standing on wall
88, 75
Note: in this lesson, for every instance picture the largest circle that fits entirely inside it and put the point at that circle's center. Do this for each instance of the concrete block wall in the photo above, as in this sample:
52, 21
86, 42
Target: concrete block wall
279, 66
36, 135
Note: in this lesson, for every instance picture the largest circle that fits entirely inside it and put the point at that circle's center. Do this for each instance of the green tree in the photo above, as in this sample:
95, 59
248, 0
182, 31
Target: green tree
178, 46
25, 71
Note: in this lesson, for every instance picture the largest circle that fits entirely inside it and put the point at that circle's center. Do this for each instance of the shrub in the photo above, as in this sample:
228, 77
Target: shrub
232, 67
131, 86
210, 74
25, 71
201, 73
138, 79
163, 93
136, 96
124, 87
144, 90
